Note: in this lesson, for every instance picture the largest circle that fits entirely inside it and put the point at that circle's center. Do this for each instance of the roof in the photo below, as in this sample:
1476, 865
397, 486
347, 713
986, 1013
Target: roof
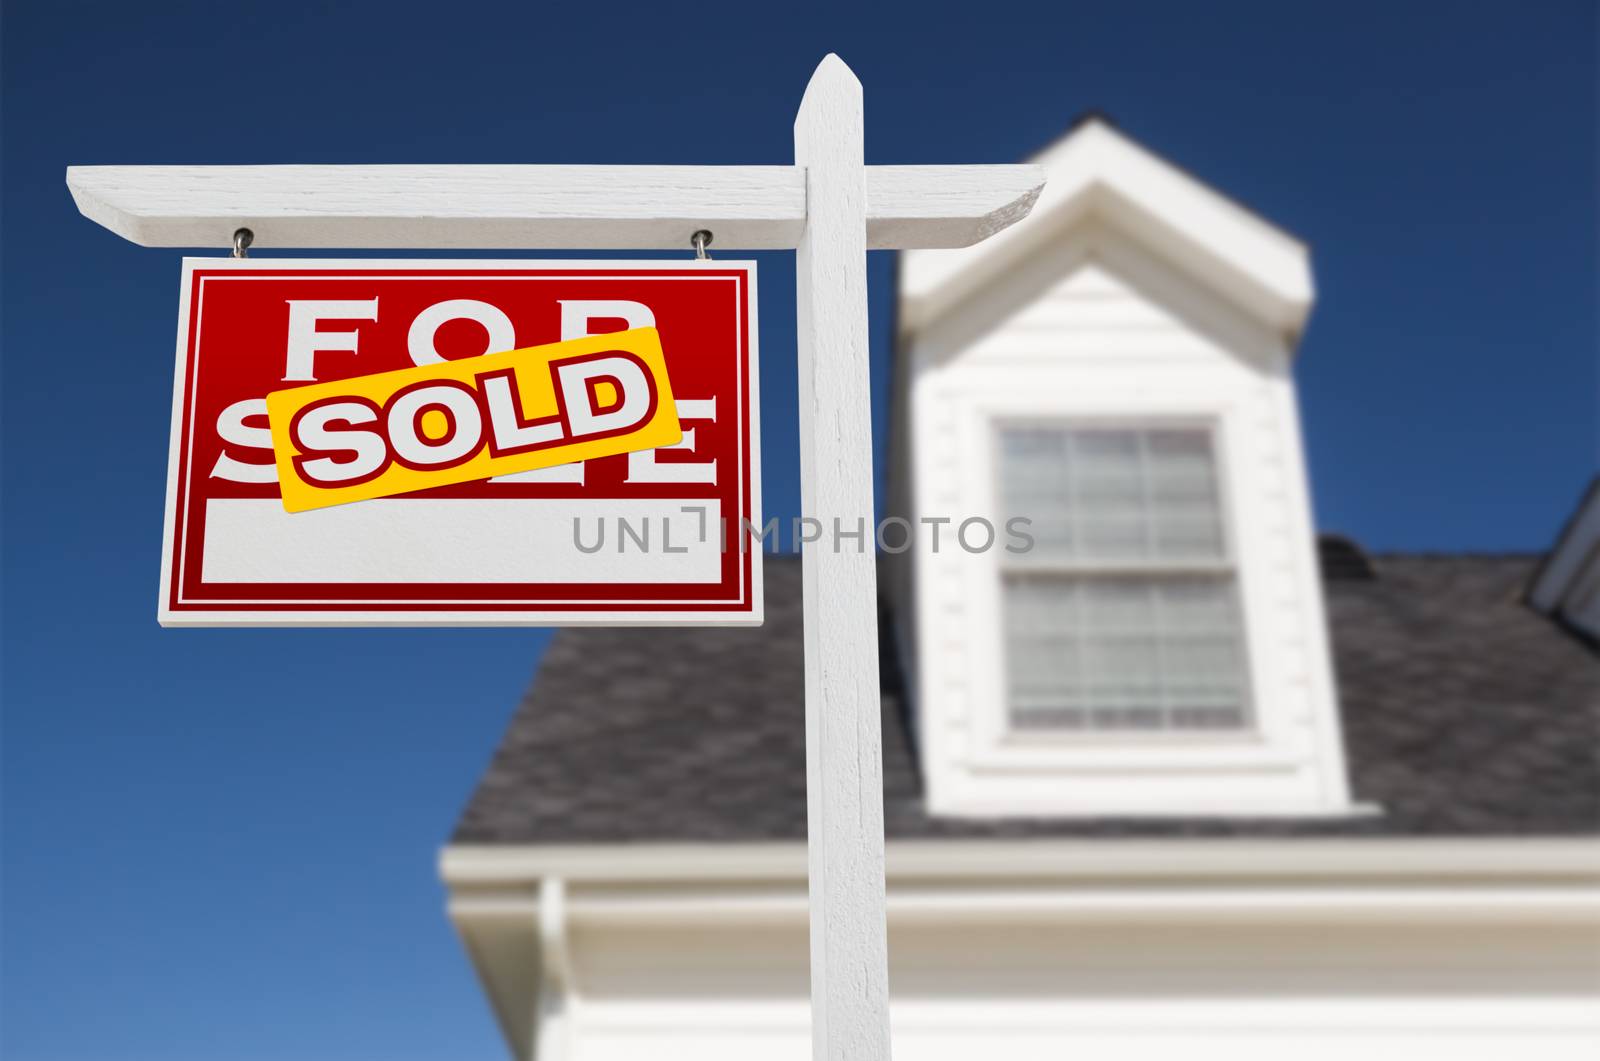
1096, 170
1466, 713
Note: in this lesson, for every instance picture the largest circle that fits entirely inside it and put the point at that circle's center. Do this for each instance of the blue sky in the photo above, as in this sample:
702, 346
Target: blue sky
220, 844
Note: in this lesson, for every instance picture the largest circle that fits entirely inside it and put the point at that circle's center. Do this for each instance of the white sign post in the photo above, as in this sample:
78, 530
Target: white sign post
831, 209
844, 742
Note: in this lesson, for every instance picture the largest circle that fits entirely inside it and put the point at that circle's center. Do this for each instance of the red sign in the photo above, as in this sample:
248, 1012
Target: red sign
650, 537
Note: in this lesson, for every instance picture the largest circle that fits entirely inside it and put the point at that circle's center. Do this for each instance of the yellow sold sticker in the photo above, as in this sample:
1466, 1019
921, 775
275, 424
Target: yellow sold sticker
458, 421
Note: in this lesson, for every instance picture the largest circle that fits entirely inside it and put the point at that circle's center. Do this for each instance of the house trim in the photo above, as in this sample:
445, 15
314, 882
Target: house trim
1097, 170
507, 902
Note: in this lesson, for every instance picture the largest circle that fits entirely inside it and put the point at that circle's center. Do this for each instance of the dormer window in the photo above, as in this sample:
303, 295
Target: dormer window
1124, 616
1117, 368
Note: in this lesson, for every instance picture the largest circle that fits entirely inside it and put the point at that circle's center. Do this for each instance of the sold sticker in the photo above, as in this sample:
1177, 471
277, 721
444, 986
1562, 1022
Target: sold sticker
461, 421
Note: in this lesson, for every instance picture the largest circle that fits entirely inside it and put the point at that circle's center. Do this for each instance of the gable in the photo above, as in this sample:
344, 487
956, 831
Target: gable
1096, 173
1099, 296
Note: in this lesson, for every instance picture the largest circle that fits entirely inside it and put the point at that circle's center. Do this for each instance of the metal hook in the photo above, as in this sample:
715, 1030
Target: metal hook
700, 241
242, 238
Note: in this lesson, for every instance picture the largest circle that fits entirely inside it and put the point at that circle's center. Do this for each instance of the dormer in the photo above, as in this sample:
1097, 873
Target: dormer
1116, 369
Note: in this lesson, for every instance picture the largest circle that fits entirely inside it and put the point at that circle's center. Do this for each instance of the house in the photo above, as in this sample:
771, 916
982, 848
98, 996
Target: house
1179, 779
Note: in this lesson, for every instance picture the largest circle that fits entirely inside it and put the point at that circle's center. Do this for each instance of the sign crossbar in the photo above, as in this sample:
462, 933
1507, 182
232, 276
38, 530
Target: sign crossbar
536, 207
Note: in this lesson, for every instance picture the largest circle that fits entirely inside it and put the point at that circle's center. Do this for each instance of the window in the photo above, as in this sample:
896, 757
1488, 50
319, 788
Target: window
1125, 614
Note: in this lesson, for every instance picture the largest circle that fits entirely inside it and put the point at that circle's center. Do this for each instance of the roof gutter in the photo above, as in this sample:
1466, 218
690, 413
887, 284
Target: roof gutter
1344, 859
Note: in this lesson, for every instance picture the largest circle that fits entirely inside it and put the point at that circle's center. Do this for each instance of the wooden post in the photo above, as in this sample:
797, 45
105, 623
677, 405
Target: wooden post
844, 753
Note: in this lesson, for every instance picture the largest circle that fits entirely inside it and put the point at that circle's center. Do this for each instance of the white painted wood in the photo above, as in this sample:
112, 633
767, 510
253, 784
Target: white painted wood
844, 756
450, 207
912, 207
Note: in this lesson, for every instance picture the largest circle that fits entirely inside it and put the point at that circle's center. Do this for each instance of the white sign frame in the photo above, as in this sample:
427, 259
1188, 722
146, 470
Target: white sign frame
752, 615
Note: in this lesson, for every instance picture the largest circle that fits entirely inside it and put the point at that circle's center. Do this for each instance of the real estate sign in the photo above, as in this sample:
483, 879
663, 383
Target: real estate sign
463, 443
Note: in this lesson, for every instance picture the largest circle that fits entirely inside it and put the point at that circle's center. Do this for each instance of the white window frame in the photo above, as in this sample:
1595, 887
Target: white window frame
992, 746
1227, 567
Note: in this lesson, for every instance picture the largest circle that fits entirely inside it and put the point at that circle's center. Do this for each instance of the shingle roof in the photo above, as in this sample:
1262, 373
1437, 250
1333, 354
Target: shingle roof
1465, 713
